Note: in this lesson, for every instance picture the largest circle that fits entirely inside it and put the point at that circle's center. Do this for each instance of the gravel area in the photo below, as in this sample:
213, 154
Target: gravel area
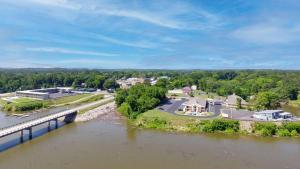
103, 110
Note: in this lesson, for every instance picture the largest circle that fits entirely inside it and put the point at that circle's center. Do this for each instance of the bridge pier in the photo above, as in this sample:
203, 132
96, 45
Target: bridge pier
21, 138
56, 123
49, 126
30, 133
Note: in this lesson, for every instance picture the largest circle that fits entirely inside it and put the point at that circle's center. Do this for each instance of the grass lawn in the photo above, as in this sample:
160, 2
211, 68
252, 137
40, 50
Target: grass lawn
67, 99
165, 121
27, 104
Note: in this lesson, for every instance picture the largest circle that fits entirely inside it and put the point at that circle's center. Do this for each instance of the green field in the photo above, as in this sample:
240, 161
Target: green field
67, 99
24, 104
28, 104
164, 121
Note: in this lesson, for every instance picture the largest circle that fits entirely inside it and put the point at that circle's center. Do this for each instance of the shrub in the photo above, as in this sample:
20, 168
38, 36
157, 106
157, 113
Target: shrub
265, 129
290, 126
24, 106
294, 133
229, 131
264, 132
220, 125
283, 133
155, 123
125, 109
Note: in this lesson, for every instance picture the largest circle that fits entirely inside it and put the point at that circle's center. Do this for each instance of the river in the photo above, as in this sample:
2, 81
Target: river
112, 144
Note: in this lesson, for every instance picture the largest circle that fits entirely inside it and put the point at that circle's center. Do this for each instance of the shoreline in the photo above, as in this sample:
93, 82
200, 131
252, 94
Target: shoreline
97, 112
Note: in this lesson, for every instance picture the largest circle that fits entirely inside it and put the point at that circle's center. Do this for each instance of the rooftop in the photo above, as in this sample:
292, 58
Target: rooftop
269, 112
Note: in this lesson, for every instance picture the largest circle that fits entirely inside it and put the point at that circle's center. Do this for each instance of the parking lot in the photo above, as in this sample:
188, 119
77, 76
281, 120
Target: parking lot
172, 105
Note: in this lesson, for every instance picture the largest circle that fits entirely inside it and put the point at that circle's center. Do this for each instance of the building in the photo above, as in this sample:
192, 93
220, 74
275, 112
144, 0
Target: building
175, 91
195, 105
270, 115
187, 90
127, 83
194, 87
44, 93
231, 101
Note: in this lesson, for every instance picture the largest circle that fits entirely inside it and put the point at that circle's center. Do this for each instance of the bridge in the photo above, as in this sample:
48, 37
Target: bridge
69, 116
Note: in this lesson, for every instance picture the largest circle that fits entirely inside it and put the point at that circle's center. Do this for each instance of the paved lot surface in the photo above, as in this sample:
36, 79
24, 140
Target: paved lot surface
239, 114
172, 105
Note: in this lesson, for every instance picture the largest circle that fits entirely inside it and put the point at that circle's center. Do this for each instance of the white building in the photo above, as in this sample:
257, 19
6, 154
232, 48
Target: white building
270, 115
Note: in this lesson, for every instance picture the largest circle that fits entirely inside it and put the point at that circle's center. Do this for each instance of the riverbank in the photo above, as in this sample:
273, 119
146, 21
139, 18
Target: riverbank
155, 119
104, 110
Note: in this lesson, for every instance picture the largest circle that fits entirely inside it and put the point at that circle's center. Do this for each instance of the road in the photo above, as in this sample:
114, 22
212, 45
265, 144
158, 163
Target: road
13, 120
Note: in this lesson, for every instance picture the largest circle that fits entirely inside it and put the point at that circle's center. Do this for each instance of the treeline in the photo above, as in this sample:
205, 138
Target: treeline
139, 99
280, 85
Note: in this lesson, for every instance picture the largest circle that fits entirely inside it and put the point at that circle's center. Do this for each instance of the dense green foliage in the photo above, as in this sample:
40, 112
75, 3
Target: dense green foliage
220, 125
24, 106
267, 100
27, 104
269, 87
270, 129
139, 99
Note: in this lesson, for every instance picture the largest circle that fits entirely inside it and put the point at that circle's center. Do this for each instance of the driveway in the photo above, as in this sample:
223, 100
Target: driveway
172, 105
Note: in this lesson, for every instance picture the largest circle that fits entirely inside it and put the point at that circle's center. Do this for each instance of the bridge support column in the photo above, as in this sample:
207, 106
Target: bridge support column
30, 133
21, 138
49, 125
56, 123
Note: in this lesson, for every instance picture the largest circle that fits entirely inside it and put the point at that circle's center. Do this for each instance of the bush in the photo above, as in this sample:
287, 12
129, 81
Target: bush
290, 126
229, 131
125, 109
283, 133
294, 133
264, 132
154, 123
24, 106
265, 129
220, 125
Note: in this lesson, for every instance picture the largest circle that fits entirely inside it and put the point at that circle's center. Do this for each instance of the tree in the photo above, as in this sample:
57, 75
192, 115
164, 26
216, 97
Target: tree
125, 109
163, 83
110, 84
267, 100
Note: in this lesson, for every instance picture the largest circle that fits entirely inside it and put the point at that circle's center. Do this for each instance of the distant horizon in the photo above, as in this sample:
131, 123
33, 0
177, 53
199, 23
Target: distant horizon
114, 34
128, 69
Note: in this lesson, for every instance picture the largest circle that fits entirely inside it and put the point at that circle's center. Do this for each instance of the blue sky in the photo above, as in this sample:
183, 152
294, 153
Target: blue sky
150, 34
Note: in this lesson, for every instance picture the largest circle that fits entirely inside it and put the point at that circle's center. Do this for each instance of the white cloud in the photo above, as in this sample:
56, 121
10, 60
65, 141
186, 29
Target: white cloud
68, 51
140, 44
268, 33
168, 18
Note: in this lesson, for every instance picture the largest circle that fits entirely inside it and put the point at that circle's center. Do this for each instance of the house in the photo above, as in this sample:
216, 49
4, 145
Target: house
270, 115
194, 87
195, 105
127, 83
187, 90
231, 101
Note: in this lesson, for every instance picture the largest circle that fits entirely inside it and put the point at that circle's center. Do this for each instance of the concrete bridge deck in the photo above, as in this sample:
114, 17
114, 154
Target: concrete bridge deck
27, 125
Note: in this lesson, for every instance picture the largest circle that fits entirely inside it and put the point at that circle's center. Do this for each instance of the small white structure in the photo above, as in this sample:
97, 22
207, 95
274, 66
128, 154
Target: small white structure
175, 91
270, 115
194, 87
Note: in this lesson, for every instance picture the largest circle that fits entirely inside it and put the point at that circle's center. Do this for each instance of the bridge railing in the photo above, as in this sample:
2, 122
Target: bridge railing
26, 121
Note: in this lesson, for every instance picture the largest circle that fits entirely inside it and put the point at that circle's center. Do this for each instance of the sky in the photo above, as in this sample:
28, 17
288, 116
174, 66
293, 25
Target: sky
150, 34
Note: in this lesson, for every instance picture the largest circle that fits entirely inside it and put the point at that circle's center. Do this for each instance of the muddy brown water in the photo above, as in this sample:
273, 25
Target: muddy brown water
112, 144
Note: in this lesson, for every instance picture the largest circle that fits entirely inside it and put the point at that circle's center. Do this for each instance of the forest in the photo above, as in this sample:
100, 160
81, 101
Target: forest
274, 84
